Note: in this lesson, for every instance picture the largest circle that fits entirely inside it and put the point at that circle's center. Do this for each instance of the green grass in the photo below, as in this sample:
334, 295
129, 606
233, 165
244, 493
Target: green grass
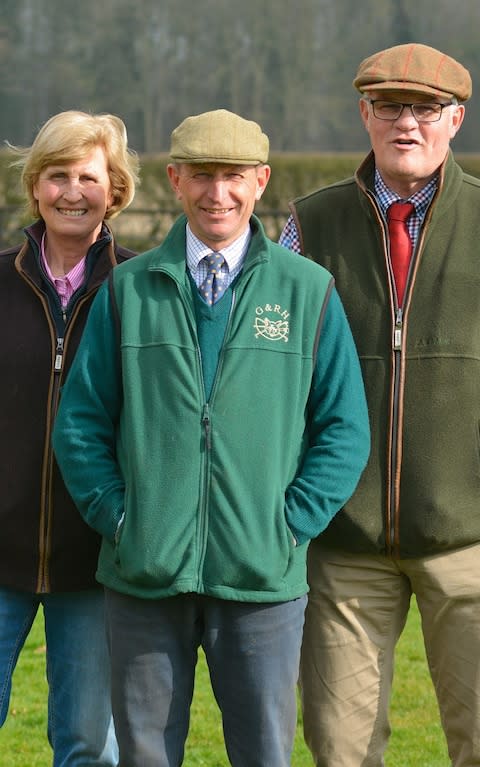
417, 739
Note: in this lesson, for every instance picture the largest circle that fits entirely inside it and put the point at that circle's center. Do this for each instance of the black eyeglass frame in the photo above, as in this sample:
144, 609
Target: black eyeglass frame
402, 105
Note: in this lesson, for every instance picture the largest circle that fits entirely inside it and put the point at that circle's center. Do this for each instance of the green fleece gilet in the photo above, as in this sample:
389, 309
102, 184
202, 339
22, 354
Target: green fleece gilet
219, 467
216, 494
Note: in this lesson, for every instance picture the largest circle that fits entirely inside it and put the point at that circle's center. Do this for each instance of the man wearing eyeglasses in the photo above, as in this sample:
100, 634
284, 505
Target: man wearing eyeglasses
402, 240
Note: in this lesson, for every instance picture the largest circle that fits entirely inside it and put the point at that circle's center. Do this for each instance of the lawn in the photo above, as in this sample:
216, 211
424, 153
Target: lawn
417, 739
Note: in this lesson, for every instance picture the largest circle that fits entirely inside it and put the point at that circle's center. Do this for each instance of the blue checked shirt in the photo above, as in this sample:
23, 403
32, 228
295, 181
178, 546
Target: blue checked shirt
289, 237
234, 256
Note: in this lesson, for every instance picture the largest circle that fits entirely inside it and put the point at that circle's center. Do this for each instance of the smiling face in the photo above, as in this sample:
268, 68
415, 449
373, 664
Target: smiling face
74, 197
408, 153
218, 199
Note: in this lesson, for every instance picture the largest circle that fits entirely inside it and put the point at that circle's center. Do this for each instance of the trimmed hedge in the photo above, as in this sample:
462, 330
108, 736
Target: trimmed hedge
293, 174
152, 212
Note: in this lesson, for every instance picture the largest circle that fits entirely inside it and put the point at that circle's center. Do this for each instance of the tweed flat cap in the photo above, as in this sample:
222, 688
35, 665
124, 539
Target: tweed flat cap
414, 67
219, 136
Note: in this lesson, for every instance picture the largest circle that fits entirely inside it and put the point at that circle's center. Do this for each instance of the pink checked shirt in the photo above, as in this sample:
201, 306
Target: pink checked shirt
67, 285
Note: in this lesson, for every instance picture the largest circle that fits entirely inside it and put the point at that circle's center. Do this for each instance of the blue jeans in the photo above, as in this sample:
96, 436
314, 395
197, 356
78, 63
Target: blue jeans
252, 652
80, 725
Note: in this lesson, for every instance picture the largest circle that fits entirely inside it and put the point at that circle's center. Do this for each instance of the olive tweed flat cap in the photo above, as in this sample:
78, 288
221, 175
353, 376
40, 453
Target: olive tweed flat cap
219, 136
414, 67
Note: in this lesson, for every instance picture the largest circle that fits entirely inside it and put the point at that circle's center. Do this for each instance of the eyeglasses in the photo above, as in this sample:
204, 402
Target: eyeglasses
430, 112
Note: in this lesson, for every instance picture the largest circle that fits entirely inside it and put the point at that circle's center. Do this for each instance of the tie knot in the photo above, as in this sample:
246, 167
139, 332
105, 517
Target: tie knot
214, 262
400, 211
213, 286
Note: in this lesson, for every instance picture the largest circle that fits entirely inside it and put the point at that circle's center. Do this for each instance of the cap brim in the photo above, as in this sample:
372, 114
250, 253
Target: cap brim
404, 86
219, 160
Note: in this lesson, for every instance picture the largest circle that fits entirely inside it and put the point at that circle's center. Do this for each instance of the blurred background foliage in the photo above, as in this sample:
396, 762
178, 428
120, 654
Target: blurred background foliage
287, 65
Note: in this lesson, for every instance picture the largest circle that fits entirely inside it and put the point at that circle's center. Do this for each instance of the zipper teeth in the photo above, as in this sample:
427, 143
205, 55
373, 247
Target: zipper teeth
207, 431
394, 449
47, 469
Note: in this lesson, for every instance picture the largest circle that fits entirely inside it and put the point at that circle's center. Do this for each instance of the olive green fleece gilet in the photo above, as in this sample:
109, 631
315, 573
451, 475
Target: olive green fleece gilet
435, 506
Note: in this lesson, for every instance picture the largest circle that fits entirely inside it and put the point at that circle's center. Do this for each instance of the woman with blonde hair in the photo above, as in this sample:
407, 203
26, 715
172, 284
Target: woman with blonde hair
77, 174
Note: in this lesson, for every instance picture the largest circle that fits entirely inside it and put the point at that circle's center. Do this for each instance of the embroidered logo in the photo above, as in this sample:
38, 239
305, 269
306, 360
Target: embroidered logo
267, 325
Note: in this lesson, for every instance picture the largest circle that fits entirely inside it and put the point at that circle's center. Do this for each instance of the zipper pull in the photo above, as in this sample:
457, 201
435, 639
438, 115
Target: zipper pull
397, 333
58, 355
206, 425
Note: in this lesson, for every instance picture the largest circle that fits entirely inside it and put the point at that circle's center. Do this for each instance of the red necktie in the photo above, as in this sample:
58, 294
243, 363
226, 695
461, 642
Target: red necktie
400, 243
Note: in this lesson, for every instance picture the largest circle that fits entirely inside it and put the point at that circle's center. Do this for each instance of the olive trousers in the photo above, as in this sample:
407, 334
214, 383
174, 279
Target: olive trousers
357, 609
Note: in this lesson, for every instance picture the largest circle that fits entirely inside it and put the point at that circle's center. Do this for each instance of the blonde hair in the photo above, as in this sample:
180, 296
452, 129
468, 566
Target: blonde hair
68, 137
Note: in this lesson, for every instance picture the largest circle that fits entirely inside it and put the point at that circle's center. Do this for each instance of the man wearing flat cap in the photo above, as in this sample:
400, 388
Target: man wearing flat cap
402, 241
216, 421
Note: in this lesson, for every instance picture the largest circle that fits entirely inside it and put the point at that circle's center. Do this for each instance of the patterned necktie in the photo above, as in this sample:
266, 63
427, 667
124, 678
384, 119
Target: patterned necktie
212, 288
400, 243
